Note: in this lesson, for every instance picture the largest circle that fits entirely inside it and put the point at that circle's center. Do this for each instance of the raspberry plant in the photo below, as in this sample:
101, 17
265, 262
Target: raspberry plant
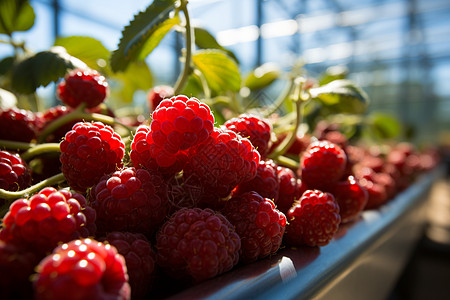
210, 144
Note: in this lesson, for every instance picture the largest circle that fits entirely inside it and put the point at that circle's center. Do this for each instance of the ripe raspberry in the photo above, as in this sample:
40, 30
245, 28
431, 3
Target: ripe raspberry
377, 194
351, 198
291, 188
145, 153
130, 200
48, 218
14, 172
83, 86
258, 223
140, 260
322, 164
222, 162
89, 151
82, 269
265, 183
335, 137
313, 220
16, 267
158, 94
18, 125
255, 128
197, 243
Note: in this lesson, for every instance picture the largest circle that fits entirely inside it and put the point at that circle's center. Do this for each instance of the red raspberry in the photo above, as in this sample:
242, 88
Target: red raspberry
351, 198
145, 153
377, 194
89, 151
197, 243
299, 145
258, 223
82, 269
140, 259
158, 94
222, 162
336, 137
14, 172
16, 267
291, 188
18, 125
313, 220
255, 128
265, 183
322, 164
83, 86
130, 200
48, 218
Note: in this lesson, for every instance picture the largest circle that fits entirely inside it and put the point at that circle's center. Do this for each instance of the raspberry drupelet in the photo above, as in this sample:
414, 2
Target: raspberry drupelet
83, 86
14, 172
197, 244
89, 151
82, 269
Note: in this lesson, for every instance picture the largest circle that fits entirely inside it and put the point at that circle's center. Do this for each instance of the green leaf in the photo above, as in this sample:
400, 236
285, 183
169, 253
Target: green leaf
205, 40
342, 96
262, 76
42, 68
15, 15
136, 77
221, 72
333, 73
144, 33
6, 64
87, 49
385, 126
193, 87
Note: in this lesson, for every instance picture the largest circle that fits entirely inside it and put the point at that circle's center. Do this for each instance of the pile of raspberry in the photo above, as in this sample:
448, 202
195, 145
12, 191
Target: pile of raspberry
183, 200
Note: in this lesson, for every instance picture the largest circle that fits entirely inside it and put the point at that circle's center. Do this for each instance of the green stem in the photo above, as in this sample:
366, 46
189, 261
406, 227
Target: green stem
287, 162
181, 81
11, 196
79, 115
205, 86
281, 98
299, 98
40, 149
13, 145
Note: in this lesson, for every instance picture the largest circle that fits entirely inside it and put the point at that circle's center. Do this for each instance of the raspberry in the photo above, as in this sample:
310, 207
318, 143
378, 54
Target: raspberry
140, 259
145, 153
222, 162
322, 164
130, 200
48, 218
198, 244
301, 142
291, 188
158, 94
265, 183
16, 267
351, 198
377, 194
82, 269
335, 137
83, 86
51, 115
258, 223
253, 127
313, 219
89, 151
14, 172
18, 125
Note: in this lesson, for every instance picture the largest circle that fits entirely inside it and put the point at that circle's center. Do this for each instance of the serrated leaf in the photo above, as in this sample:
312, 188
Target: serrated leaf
262, 76
385, 126
42, 68
342, 96
205, 40
144, 33
15, 15
136, 77
221, 72
87, 49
